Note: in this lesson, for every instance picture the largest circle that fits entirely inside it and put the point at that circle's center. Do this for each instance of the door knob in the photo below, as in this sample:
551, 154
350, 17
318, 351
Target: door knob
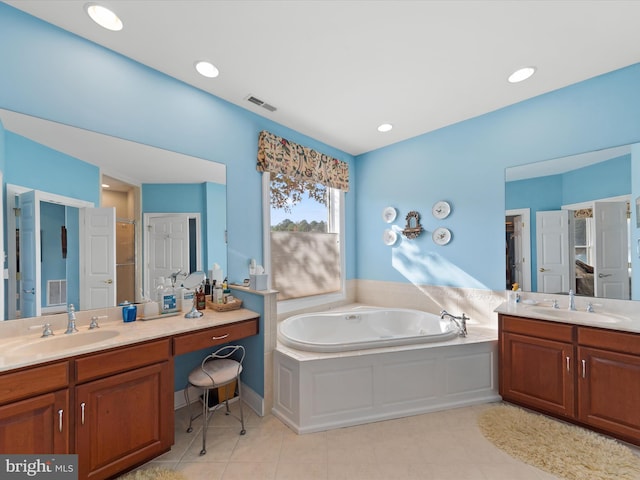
108, 282
542, 269
602, 275
32, 291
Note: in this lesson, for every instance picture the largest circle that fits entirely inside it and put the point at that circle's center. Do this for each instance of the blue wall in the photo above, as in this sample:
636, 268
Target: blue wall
30, 164
143, 105
464, 163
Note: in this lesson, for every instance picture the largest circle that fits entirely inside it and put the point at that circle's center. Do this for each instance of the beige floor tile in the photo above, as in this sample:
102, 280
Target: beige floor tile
435, 446
311, 448
453, 471
250, 471
258, 447
299, 471
202, 471
221, 443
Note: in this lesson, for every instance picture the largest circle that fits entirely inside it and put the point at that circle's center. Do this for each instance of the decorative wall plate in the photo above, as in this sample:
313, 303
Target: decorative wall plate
441, 209
441, 236
389, 214
389, 237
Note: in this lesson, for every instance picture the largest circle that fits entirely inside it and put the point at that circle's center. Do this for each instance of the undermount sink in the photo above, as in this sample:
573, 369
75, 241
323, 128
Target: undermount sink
61, 342
566, 314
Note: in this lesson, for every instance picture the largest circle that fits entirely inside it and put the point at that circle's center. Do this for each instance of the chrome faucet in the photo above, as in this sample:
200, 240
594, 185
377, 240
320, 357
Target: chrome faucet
572, 301
71, 325
47, 332
460, 322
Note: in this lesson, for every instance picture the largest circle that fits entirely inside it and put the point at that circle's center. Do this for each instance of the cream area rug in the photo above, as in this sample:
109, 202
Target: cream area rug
155, 473
566, 451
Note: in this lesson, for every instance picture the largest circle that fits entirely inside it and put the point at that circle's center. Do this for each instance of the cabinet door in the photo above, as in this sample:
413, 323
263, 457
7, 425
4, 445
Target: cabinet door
609, 391
123, 420
36, 425
538, 373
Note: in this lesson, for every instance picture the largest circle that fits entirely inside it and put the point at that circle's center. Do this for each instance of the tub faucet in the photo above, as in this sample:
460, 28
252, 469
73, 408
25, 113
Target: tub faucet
572, 300
461, 322
71, 325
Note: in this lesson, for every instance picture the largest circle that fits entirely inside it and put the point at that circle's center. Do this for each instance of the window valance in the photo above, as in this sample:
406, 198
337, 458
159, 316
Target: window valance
279, 155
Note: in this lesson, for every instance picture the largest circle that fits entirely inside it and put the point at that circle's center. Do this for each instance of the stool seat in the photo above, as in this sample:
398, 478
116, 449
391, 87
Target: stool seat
215, 373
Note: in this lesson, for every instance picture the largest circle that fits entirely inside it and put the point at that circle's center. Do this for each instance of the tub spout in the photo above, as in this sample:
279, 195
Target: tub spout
460, 322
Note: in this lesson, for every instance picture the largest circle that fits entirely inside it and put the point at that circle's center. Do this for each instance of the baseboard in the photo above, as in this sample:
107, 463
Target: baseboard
250, 397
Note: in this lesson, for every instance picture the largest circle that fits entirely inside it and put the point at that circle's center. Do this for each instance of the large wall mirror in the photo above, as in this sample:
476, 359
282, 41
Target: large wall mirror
568, 225
91, 189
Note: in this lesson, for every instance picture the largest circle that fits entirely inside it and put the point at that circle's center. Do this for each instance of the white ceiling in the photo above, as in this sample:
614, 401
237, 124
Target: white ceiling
337, 69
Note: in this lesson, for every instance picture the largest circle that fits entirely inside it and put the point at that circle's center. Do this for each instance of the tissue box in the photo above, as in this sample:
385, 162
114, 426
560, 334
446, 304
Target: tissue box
258, 282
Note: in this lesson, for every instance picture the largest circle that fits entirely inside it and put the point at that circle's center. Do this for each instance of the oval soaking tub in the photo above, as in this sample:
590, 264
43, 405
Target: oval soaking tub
360, 329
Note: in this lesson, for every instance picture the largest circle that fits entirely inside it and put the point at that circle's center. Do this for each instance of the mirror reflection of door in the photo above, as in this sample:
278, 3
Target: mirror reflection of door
125, 198
172, 245
585, 250
29, 238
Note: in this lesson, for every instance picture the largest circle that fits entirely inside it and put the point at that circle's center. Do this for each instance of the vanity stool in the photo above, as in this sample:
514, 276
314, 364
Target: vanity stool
216, 370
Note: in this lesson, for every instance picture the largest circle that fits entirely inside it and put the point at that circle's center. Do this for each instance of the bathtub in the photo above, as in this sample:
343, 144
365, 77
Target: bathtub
402, 363
361, 329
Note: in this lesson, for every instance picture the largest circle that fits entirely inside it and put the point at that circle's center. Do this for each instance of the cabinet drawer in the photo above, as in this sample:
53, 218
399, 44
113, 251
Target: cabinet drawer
610, 340
121, 359
538, 328
27, 383
210, 337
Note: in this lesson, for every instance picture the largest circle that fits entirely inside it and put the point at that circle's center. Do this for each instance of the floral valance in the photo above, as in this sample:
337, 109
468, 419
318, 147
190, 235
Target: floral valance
279, 155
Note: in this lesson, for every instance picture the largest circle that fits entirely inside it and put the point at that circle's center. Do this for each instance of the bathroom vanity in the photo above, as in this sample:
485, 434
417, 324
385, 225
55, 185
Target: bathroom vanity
111, 402
585, 370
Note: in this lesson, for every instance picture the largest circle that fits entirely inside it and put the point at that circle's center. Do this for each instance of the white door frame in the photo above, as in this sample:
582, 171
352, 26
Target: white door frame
525, 214
12, 267
146, 221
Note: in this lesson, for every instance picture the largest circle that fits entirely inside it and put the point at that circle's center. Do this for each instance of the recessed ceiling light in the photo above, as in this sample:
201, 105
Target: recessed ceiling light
385, 127
104, 17
521, 74
207, 69
105, 185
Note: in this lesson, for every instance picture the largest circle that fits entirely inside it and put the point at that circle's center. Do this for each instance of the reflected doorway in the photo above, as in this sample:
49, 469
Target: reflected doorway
125, 198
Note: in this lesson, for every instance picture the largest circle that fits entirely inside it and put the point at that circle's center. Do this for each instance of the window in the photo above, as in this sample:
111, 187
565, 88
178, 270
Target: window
583, 228
304, 239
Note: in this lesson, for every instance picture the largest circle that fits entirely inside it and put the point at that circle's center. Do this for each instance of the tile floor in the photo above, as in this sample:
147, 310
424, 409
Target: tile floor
443, 445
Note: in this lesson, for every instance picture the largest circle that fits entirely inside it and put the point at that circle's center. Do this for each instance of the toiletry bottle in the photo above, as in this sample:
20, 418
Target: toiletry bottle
207, 287
159, 290
201, 299
168, 303
219, 294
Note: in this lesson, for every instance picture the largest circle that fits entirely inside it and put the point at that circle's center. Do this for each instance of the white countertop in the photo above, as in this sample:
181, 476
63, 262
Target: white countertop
123, 334
622, 319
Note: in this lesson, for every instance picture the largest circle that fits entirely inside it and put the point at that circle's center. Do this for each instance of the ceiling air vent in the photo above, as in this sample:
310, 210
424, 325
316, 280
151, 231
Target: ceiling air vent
260, 103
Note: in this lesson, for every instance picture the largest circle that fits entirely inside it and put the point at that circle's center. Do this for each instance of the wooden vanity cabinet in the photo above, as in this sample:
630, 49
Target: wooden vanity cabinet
537, 364
124, 408
609, 381
34, 410
590, 376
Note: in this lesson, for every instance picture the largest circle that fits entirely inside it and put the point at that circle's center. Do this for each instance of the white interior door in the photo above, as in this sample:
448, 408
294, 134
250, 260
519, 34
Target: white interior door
555, 251
611, 269
30, 291
98, 258
168, 247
